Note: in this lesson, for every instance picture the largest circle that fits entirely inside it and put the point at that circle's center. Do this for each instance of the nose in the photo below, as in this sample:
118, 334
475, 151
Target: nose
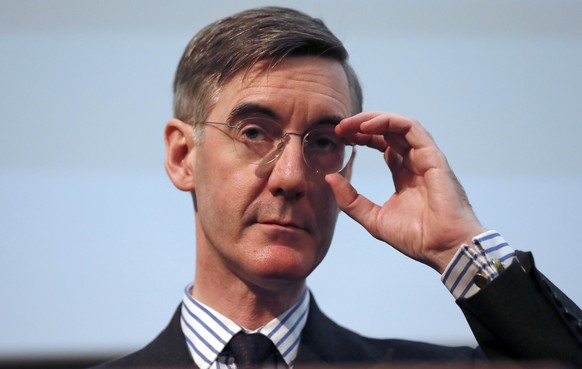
288, 177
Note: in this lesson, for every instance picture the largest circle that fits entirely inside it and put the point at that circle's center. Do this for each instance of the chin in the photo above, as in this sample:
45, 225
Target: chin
284, 263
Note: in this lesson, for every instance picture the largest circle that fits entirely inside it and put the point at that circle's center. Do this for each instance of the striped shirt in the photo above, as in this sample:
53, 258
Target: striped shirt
479, 258
207, 332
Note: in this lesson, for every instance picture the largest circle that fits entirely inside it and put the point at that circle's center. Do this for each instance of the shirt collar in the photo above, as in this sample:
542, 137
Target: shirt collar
207, 331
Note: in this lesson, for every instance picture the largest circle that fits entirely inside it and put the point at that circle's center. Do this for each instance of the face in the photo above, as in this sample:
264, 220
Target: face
274, 222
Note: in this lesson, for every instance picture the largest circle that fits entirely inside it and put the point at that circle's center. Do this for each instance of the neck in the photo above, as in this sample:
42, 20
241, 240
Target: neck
249, 304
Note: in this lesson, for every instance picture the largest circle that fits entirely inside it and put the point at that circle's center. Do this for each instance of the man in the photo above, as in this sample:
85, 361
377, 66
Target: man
267, 114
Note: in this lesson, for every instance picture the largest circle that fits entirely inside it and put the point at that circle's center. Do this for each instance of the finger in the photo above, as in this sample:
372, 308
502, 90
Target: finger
356, 206
350, 129
362, 139
388, 123
408, 133
416, 145
401, 176
352, 124
414, 134
373, 141
394, 160
398, 143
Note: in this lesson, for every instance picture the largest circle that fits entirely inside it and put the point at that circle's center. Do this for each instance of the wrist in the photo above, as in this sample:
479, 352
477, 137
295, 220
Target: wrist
444, 258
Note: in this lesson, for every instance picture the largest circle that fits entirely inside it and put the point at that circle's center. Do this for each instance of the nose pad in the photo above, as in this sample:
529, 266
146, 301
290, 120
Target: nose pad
277, 150
282, 144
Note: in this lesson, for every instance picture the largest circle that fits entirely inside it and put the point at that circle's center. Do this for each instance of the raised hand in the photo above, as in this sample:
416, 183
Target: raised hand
428, 216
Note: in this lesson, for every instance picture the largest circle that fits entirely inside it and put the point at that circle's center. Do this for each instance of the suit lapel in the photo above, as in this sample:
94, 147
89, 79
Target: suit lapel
322, 340
169, 348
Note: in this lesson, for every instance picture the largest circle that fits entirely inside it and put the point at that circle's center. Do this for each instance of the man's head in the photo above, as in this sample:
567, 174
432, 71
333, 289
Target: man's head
238, 42
262, 224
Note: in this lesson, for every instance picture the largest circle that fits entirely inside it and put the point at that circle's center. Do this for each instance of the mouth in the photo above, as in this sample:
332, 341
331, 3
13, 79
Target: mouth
283, 224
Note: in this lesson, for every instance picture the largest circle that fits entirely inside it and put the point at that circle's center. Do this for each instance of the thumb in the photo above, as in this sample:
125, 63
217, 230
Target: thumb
355, 205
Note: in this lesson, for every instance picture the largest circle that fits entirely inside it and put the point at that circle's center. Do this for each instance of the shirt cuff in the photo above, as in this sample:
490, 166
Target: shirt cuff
473, 266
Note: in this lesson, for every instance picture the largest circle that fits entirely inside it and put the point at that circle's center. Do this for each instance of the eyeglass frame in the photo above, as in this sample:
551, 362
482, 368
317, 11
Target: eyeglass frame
282, 143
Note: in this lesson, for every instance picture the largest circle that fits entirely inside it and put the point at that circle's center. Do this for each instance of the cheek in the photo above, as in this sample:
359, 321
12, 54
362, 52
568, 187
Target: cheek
221, 196
326, 211
223, 193
215, 194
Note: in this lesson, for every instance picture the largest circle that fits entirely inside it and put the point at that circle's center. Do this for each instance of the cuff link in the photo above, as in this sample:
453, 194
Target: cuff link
497, 264
480, 280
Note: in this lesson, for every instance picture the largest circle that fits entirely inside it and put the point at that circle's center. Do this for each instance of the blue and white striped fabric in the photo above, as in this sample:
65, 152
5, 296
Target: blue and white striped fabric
476, 259
207, 332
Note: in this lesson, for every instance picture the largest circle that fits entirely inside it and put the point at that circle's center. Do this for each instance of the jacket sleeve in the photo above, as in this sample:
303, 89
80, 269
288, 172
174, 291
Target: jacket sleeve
521, 315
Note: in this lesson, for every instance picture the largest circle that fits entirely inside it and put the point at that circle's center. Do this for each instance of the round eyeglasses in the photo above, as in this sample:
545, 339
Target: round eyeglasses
260, 140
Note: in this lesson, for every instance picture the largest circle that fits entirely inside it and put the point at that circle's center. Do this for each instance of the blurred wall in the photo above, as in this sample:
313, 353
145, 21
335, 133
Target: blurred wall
96, 244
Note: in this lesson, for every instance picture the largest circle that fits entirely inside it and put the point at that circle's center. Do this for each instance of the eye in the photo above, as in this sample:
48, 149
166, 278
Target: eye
254, 131
324, 141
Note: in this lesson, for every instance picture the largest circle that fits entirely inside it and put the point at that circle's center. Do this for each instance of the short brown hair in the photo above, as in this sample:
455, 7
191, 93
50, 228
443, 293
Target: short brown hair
238, 42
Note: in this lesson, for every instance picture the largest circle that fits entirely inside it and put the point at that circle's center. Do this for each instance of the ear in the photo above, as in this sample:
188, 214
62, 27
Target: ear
180, 151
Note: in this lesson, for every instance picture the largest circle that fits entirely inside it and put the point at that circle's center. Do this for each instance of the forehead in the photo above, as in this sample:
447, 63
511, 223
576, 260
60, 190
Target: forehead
298, 89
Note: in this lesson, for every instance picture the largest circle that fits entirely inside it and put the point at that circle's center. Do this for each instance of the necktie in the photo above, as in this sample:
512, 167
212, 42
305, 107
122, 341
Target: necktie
250, 350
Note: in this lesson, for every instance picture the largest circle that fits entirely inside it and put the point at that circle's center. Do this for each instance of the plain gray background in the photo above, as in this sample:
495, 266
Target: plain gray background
96, 244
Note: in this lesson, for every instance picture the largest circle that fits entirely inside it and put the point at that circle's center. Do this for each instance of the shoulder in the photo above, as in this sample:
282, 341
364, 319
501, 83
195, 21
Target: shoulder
334, 343
167, 350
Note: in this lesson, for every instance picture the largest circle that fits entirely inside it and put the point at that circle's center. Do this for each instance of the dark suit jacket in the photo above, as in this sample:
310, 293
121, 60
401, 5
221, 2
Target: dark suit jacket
518, 316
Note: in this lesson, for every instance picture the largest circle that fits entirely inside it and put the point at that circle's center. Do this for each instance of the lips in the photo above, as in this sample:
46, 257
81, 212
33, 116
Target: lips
282, 215
284, 223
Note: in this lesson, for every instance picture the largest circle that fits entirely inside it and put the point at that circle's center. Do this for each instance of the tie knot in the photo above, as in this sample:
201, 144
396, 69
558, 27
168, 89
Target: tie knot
250, 349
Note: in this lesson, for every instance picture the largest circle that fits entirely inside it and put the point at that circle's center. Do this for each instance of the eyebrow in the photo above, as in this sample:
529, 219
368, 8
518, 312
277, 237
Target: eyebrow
329, 119
251, 109
246, 110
